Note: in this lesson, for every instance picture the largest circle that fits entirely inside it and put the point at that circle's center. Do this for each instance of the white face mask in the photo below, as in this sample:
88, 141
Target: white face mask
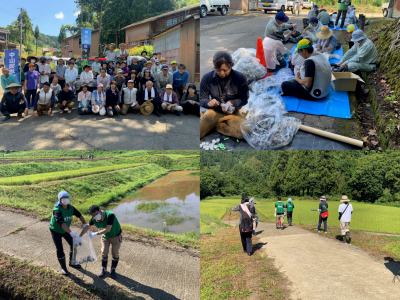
98, 217
65, 201
33, 61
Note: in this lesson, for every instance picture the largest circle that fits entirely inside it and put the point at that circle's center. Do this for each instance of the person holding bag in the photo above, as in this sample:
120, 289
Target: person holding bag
245, 223
344, 4
345, 212
323, 216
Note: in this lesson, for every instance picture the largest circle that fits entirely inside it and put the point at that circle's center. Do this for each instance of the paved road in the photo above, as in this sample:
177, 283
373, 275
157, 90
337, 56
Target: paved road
75, 132
150, 272
324, 269
232, 32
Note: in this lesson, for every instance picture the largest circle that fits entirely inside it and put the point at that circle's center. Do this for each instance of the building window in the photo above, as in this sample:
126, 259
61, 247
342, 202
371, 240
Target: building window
172, 21
80, 43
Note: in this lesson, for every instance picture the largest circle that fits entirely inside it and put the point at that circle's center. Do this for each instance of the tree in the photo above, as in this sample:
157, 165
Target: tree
63, 34
37, 34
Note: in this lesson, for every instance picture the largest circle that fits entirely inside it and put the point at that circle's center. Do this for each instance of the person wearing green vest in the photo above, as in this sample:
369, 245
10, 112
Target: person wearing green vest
343, 6
280, 213
80, 65
289, 209
110, 229
59, 227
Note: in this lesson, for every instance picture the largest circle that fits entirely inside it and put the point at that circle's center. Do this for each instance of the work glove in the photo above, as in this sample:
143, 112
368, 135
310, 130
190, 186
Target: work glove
93, 234
76, 238
275, 215
285, 214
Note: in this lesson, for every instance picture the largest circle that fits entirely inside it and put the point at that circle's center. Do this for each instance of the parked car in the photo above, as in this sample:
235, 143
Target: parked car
275, 5
1, 62
385, 9
306, 4
207, 6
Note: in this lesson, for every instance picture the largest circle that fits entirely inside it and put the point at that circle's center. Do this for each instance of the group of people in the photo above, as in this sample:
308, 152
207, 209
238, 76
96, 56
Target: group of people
310, 64
112, 87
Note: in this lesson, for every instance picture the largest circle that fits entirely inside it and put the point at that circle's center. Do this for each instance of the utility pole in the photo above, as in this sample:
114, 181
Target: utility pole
20, 41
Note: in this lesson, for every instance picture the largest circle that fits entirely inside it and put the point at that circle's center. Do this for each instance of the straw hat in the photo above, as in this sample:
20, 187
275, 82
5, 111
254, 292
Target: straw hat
163, 59
325, 33
149, 62
146, 108
345, 199
16, 85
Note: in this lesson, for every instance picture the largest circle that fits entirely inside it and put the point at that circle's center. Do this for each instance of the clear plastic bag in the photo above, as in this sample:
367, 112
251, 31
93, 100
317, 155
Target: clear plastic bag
250, 67
266, 103
84, 252
241, 52
269, 131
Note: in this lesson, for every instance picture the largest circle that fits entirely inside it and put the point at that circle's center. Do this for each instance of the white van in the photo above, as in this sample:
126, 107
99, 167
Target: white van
385, 9
306, 4
275, 5
214, 5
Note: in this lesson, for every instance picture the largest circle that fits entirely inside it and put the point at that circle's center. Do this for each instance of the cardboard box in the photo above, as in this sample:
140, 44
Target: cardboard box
344, 81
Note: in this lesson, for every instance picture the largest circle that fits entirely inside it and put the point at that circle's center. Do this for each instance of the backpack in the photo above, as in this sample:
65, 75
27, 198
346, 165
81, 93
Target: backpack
246, 222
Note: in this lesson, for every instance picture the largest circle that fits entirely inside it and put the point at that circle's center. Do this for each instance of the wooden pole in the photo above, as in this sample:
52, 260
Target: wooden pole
332, 136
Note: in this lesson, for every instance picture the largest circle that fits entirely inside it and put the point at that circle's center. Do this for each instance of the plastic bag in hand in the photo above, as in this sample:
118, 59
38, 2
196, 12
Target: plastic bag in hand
239, 53
250, 67
264, 131
85, 252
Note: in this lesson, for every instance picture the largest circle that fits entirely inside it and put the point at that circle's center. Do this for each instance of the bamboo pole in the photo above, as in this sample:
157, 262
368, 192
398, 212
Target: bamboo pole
332, 136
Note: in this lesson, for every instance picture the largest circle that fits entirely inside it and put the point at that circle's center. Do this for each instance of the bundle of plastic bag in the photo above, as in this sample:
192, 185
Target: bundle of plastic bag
84, 251
239, 53
266, 131
266, 103
285, 74
269, 84
250, 67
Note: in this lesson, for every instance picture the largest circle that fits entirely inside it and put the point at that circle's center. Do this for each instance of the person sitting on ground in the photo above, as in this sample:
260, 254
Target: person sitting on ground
13, 102
133, 76
179, 80
312, 29
60, 71
150, 94
314, 79
324, 17
163, 78
65, 98
327, 41
32, 82
112, 100
99, 100
174, 67
342, 12
323, 208
245, 235
87, 78
345, 212
104, 78
362, 57
223, 85
273, 46
84, 99
7, 79
135, 66
129, 99
45, 101
120, 80
170, 101
279, 23
146, 77
110, 70
190, 101
71, 74
56, 88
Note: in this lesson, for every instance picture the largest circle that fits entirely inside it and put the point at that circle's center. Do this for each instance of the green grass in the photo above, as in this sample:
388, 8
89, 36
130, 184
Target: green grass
149, 207
62, 175
31, 154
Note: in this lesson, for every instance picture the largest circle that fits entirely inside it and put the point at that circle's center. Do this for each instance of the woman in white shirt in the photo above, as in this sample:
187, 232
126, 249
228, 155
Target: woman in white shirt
70, 75
87, 78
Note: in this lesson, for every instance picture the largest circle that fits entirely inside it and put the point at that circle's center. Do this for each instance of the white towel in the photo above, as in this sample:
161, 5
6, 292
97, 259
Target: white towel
166, 97
146, 94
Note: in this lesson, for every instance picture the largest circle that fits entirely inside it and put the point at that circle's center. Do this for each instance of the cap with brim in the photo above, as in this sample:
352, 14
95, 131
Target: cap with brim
31, 65
325, 33
100, 85
163, 59
313, 20
352, 6
315, 6
85, 84
344, 199
79, 57
358, 35
119, 71
146, 108
304, 43
16, 85
164, 67
130, 81
168, 86
173, 62
280, 16
148, 62
322, 198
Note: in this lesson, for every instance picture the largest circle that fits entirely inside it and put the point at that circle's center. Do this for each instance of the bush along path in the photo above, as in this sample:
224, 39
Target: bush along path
147, 272
322, 268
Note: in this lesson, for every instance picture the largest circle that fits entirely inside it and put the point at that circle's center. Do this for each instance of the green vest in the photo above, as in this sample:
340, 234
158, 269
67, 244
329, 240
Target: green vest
279, 207
67, 215
79, 70
115, 228
289, 206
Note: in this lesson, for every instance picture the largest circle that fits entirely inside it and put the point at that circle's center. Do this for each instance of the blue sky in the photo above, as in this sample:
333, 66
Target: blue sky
47, 14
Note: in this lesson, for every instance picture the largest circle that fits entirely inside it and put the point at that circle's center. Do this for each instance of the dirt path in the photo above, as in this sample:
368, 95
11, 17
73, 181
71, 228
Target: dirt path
326, 269
151, 272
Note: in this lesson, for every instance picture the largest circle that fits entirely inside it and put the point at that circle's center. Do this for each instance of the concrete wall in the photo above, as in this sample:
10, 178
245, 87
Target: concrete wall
137, 34
238, 7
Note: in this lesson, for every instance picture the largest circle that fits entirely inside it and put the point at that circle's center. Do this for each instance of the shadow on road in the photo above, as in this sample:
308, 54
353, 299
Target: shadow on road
259, 232
394, 267
258, 246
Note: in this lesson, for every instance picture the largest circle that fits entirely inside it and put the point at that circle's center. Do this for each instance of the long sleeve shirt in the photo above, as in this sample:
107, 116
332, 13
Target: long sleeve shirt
366, 53
84, 99
96, 67
60, 70
104, 80
86, 77
11, 100
236, 90
174, 98
186, 97
111, 98
71, 75
63, 96
237, 208
98, 98
7, 81
110, 56
162, 80
328, 45
273, 26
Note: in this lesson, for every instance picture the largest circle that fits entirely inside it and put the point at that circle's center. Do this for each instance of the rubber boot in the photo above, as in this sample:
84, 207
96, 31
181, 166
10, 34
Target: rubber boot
103, 267
71, 263
63, 265
348, 236
177, 113
6, 117
343, 239
114, 264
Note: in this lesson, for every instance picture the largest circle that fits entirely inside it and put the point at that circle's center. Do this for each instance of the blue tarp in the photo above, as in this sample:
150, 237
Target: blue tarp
336, 104
338, 27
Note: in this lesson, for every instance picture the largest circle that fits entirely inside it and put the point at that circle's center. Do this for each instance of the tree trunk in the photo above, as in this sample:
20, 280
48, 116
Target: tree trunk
81, 12
101, 13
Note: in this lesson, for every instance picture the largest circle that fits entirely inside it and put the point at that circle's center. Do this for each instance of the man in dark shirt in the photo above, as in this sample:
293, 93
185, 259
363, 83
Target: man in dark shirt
135, 66
65, 98
223, 86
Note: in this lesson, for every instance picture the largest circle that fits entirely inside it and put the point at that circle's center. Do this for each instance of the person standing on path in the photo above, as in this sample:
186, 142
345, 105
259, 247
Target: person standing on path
280, 212
245, 224
345, 212
60, 222
32, 82
110, 229
323, 214
342, 12
289, 209
252, 208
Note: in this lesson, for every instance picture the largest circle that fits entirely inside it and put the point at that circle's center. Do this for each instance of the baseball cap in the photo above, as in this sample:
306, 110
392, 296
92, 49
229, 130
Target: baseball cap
164, 67
280, 16
303, 44
313, 20
168, 86
173, 62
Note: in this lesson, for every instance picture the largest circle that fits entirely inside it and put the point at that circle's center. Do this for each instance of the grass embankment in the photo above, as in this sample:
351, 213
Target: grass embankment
20, 279
228, 273
62, 175
59, 153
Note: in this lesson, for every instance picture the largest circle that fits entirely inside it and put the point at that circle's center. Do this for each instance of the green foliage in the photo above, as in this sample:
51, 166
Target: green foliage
63, 33
184, 3
151, 206
136, 51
